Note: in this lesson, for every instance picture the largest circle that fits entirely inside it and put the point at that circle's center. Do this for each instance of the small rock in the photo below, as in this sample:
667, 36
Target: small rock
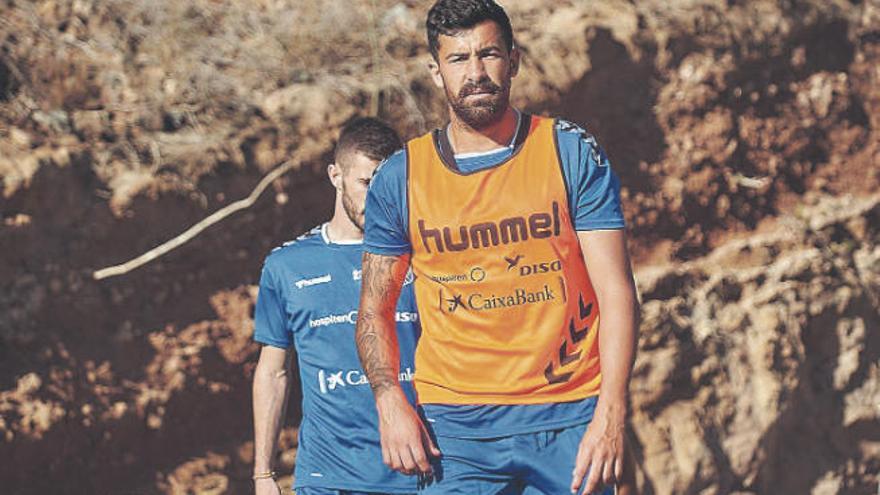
29, 383
55, 121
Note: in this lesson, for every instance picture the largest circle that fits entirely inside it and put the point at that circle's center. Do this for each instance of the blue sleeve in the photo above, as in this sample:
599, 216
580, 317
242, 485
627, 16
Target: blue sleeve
386, 224
593, 187
270, 316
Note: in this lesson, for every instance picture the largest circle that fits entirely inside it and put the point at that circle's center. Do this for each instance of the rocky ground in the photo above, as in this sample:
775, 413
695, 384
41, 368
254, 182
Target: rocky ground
745, 135
758, 368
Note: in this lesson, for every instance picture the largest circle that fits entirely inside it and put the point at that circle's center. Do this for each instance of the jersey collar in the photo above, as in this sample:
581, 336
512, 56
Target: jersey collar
338, 243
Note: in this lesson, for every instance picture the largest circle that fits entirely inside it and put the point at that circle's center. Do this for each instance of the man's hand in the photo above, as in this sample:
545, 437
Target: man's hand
601, 451
266, 486
406, 443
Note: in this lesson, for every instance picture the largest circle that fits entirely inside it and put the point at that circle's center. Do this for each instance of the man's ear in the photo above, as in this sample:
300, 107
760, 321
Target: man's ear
334, 171
515, 58
434, 69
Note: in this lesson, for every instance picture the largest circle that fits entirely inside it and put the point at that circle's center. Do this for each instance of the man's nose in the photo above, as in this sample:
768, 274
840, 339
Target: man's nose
476, 69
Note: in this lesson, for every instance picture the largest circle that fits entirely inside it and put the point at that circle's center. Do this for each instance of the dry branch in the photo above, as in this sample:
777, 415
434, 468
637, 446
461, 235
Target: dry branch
196, 229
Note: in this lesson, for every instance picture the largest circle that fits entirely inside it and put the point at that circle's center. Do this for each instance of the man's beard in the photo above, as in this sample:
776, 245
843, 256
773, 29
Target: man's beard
488, 110
355, 214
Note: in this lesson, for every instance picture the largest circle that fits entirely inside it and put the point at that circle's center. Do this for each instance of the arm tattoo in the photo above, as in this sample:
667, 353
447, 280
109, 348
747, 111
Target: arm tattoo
376, 333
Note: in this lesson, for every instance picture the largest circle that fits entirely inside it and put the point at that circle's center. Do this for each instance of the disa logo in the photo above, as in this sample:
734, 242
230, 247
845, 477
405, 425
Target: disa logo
532, 268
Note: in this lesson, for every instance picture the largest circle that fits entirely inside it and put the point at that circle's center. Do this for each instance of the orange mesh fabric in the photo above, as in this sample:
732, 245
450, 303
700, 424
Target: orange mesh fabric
508, 312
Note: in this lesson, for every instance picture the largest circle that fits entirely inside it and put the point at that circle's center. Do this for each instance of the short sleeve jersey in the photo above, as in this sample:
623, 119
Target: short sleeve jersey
308, 299
594, 201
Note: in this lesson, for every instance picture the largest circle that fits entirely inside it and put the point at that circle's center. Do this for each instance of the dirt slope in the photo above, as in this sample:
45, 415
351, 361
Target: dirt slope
745, 135
758, 367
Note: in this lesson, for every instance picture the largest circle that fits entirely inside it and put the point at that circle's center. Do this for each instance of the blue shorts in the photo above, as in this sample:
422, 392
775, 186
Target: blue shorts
527, 464
332, 491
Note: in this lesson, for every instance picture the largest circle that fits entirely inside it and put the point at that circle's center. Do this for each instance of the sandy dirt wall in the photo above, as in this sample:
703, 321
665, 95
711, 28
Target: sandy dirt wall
745, 135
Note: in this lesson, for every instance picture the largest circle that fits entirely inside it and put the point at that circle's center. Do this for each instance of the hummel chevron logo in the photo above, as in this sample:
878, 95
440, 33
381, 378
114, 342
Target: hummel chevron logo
575, 335
584, 310
565, 357
554, 378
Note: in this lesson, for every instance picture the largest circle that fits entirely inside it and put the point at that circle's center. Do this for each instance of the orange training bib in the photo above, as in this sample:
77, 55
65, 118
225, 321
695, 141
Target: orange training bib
507, 309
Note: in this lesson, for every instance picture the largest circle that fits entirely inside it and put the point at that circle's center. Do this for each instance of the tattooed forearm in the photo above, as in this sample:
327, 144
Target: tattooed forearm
378, 279
376, 335
372, 348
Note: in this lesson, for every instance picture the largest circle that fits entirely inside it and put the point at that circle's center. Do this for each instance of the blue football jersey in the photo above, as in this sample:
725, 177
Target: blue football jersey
309, 295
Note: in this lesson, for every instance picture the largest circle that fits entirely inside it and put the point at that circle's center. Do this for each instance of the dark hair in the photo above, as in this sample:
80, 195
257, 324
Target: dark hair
447, 17
370, 136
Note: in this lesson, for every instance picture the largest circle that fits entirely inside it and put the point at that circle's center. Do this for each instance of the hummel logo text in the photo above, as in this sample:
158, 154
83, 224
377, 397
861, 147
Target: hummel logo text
308, 282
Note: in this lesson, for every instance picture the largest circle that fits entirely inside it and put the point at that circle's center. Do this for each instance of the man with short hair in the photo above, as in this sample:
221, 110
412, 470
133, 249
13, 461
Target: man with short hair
513, 227
308, 302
